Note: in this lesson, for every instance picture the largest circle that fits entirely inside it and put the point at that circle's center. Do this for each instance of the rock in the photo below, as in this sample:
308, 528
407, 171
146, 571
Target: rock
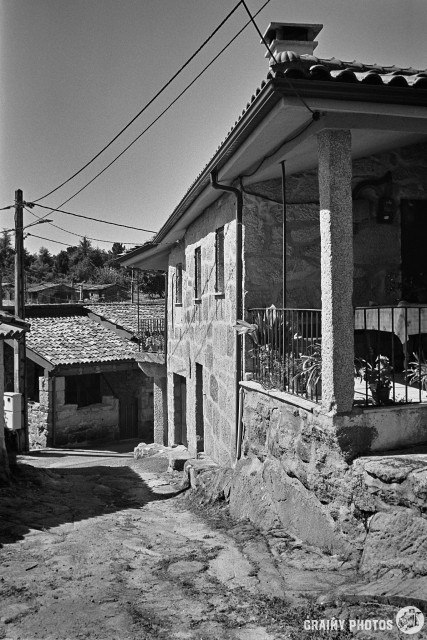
186, 566
396, 539
12, 612
143, 450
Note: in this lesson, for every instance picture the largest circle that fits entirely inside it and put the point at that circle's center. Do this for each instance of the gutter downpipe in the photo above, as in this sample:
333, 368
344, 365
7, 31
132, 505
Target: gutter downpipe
239, 303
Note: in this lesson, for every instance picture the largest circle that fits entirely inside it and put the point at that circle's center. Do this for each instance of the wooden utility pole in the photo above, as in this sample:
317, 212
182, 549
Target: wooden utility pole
19, 344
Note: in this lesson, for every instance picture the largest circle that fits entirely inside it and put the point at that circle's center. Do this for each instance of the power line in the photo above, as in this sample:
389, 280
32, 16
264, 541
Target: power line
49, 240
79, 215
64, 243
159, 116
146, 105
78, 235
274, 57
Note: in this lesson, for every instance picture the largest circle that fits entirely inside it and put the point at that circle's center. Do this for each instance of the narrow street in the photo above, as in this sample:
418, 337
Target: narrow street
98, 545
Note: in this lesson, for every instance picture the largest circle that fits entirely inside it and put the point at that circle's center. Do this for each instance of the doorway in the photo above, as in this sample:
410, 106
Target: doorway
180, 409
414, 254
200, 425
128, 418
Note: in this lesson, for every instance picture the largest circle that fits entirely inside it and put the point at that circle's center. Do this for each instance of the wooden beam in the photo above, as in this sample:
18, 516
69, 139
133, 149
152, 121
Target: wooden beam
102, 367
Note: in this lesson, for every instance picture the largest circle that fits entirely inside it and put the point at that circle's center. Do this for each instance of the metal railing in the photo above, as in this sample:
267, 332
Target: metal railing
390, 346
151, 335
286, 350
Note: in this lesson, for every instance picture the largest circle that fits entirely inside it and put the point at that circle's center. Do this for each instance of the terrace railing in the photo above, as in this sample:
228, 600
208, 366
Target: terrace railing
390, 344
151, 335
286, 351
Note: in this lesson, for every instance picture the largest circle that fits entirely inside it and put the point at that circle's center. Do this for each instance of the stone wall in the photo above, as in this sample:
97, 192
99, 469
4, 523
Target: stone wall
40, 416
4, 463
304, 470
202, 332
377, 256
293, 472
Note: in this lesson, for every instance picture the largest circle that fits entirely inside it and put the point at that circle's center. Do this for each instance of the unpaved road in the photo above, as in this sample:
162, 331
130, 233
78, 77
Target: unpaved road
97, 545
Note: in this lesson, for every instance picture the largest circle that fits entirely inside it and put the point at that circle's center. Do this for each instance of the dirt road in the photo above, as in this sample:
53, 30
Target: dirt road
98, 545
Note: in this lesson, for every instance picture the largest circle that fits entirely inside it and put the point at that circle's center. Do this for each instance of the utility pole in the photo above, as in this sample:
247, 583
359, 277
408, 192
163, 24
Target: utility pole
19, 343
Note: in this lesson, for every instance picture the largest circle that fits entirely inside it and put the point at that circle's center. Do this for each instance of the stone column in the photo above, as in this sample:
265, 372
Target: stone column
160, 410
336, 233
152, 364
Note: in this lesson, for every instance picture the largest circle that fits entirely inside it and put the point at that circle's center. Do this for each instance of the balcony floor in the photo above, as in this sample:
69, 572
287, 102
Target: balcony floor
399, 392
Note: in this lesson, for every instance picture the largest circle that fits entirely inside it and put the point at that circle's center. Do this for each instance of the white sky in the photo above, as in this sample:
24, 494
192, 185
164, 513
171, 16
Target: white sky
74, 72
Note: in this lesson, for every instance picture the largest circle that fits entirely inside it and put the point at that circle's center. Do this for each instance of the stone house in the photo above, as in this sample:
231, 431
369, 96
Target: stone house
11, 328
83, 380
314, 203
50, 293
101, 292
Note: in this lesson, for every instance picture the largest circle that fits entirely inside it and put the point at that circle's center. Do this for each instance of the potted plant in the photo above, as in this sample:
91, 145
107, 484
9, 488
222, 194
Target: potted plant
417, 372
310, 370
379, 378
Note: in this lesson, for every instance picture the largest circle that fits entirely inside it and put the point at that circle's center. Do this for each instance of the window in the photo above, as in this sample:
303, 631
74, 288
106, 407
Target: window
83, 390
198, 273
178, 292
219, 260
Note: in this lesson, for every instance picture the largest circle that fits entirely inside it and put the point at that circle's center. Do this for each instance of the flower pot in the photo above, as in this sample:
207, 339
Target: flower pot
380, 395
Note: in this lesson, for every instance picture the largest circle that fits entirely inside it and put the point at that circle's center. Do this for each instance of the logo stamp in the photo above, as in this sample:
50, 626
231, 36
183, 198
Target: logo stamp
409, 620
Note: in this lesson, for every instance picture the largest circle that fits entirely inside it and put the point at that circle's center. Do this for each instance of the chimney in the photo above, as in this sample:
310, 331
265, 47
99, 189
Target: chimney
284, 37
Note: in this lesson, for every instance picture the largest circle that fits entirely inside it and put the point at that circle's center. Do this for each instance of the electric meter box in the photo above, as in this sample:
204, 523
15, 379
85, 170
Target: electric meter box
13, 410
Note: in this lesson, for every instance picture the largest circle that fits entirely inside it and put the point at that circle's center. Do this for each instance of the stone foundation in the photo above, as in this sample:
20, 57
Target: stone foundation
303, 470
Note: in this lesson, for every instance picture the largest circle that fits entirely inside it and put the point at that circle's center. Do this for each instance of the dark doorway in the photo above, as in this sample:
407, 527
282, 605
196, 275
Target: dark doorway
180, 409
200, 425
128, 418
414, 254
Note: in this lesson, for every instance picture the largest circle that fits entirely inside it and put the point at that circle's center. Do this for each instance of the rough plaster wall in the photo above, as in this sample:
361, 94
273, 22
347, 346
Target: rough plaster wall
203, 332
262, 249
376, 247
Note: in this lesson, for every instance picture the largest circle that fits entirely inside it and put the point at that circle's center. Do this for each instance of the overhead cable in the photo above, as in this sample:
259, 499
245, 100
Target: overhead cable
78, 235
145, 107
79, 215
158, 117
274, 57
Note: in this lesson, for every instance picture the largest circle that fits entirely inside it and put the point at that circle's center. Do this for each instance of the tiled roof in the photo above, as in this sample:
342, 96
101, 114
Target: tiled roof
99, 287
125, 314
49, 285
77, 339
310, 67
332, 69
11, 327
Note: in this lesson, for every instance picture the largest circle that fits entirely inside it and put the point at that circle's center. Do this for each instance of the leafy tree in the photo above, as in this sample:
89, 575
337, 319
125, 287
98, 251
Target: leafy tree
7, 256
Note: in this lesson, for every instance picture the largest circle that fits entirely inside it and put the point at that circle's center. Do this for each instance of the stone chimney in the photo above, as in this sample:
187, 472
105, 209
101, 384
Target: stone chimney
286, 37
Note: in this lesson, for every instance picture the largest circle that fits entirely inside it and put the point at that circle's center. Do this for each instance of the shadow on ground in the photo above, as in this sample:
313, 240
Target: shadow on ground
39, 499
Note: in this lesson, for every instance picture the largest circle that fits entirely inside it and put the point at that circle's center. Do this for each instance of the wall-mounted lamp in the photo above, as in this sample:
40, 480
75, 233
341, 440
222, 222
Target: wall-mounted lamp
385, 210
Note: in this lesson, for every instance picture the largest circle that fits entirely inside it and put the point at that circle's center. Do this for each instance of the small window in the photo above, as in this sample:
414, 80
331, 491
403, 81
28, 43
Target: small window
198, 273
219, 260
83, 390
178, 292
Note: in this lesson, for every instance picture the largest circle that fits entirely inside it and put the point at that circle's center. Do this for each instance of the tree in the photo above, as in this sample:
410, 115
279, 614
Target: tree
153, 283
7, 256
42, 267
